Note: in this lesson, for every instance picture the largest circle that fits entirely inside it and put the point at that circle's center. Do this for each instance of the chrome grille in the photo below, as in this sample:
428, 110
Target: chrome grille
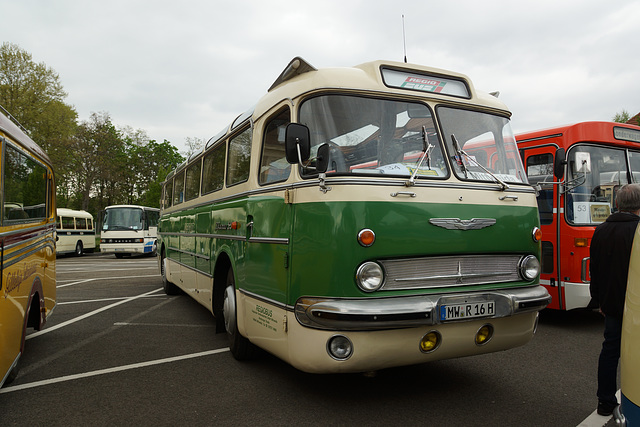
440, 272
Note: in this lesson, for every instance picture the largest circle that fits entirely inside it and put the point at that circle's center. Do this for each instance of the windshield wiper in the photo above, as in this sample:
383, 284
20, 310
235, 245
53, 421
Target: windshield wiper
427, 147
461, 152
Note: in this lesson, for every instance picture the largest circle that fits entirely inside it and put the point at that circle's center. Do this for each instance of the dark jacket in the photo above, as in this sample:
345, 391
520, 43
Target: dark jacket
610, 252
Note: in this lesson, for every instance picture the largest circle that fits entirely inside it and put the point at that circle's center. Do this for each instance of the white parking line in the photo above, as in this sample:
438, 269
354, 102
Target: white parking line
91, 313
104, 278
105, 299
595, 420
9, 389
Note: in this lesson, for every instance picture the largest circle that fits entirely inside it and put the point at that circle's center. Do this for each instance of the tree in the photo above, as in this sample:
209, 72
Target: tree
194, 145
33, 94
622, 117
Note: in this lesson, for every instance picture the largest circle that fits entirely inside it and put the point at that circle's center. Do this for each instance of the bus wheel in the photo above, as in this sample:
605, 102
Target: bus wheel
169, 288
79, 249
240, 347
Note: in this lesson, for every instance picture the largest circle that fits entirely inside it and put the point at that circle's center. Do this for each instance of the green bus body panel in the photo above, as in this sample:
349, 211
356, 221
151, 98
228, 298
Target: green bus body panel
326, 253
321, 255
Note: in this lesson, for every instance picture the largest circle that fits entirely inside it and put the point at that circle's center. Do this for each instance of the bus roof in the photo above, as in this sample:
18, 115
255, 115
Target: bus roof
11, 129
132, 206
583, 131
367, 76
73, 212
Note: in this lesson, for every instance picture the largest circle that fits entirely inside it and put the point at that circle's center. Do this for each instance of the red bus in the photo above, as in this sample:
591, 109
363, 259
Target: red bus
577, 170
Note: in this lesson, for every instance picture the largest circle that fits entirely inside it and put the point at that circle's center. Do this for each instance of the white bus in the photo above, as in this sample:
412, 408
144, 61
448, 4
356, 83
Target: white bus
75, 232
129, 230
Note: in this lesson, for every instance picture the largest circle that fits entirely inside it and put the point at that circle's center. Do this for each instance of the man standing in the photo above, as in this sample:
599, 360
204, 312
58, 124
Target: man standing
610, 252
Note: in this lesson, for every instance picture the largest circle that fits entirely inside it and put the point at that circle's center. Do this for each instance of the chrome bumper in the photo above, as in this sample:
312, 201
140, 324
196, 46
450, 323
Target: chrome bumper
402, 312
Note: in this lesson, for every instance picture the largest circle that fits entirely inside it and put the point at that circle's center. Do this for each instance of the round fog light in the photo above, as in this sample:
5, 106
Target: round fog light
430, 341
339, 347
484, 334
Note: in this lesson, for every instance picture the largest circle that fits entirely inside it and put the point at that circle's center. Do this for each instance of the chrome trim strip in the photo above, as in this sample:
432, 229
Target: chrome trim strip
275, 303
369, 314
273, 240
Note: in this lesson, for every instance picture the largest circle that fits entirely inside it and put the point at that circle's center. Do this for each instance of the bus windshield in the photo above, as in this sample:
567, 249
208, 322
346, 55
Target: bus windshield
123, 219
594, 175
374, 136
482, 146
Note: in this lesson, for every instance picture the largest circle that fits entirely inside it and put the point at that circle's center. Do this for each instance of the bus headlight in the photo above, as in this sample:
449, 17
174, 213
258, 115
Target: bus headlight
369, 276
339, 347
529, 267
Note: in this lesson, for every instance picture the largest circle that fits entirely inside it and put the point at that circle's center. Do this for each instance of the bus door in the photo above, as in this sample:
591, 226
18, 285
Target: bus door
268, 228
539, 163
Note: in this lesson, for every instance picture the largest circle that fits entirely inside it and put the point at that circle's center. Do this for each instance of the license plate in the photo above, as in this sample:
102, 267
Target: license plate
467, 310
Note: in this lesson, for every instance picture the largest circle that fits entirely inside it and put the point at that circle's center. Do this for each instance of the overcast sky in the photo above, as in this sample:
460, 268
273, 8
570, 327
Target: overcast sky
179, 69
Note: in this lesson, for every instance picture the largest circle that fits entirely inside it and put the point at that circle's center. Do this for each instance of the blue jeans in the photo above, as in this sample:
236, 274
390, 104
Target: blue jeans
608, 361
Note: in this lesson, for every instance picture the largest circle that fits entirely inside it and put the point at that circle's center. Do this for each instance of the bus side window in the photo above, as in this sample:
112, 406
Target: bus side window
81, 223
239, 158
67, 223
25, 185
178, 192
213, 169
539, 170
168, 194
192, 184
273, 164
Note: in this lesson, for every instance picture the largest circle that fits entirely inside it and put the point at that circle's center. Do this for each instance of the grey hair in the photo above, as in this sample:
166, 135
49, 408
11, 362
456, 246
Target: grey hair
628, 198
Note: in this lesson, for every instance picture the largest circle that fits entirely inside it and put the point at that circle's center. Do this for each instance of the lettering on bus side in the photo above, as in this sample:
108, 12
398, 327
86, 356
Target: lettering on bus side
264, 317
15, 279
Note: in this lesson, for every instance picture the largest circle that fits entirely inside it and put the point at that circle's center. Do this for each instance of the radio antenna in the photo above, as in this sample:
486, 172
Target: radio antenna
404, 41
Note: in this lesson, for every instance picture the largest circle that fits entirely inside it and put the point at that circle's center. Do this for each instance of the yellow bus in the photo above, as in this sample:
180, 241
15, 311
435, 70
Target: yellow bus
630, 345
27, 243
75, 232
357, 219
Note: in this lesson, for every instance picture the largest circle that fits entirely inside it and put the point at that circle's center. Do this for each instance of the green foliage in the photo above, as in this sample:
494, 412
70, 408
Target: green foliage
96, 164
622, 117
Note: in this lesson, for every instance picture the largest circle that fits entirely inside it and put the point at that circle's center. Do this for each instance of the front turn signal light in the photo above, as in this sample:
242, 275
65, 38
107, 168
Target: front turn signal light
581, 242
536, 234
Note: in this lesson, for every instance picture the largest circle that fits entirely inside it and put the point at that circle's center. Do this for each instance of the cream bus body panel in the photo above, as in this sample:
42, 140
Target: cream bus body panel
277, 331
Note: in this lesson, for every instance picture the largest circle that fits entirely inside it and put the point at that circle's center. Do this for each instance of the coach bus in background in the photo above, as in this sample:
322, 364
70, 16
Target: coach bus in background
577, 169
75, 233
129, 230
27, 243
342, 225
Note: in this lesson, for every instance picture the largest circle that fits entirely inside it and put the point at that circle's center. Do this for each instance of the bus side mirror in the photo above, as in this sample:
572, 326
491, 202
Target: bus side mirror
558, 163
297, 143
322, 162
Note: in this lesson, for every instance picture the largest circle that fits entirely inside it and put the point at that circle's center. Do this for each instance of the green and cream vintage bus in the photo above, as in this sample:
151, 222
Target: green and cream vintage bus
357, 219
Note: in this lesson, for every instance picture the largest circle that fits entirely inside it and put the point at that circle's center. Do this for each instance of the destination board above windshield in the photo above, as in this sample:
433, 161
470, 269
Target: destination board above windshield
424, 82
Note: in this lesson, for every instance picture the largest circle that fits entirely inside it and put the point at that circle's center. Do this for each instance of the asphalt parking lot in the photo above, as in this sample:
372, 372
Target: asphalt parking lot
118, 351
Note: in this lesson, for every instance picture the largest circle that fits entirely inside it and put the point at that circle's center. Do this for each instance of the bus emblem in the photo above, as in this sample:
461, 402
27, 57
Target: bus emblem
462, 224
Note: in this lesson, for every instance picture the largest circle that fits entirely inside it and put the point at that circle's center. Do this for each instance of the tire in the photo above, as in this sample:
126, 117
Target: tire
79, 249
169, 288
241, 348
